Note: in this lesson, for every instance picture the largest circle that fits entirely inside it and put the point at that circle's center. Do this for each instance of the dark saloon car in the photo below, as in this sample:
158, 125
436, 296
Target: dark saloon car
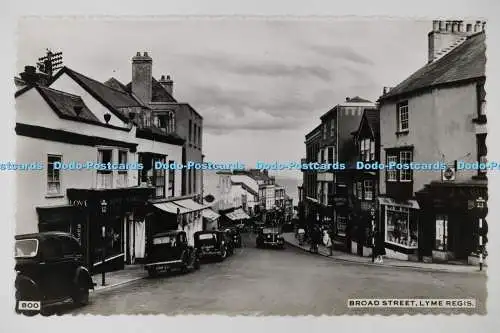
50, 270
270, 237
168, 251
235, 236
213, 244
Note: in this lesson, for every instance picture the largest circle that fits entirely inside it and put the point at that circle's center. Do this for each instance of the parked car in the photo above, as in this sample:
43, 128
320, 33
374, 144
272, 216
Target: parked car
270, 237
257, 226
235, 236
212, 244
50, 270
168, 251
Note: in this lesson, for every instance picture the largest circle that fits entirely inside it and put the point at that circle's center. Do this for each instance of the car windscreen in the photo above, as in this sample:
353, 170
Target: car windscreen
269, 231
26, 248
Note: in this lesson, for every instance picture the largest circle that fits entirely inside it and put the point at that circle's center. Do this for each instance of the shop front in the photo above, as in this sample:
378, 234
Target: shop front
176, 214
64, 218
400, 227
341, 231
112, 225
450, 220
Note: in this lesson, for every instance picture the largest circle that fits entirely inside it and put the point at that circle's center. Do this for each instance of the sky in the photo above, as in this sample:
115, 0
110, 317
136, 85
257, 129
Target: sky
259, 84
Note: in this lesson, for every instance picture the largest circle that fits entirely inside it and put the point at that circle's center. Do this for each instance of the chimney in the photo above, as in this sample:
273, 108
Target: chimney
446, 35
168, 84
347, 99
142, 74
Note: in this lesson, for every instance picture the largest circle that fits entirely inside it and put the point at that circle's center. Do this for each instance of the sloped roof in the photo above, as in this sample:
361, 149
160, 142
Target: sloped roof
467, 61
158, 92
373, 118
115, 84
64, 104
358, 99
247, 180
109, 97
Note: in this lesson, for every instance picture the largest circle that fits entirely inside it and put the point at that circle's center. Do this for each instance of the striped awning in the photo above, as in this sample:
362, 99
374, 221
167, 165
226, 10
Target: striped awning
171, 207
238, 214
210, 214
190, 204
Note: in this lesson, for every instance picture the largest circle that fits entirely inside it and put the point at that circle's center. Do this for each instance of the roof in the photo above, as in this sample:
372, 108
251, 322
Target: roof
115, 84
158, 92
64, 103
465, 62
349, 102
358, 99
247, 180
314, 131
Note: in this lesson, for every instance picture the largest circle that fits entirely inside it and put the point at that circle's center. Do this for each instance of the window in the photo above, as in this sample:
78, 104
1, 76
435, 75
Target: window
391, 173
190, 130
364, 149
171, 181
324, 130
403, 117
332, 127
159, 179
469, 27
330, 155
53, 175
359, 190
199, 136
322, 156
405, 158
105, 177
122, 174
441, 233
195, 134
341, 225
368, 189
372, 150
399, 229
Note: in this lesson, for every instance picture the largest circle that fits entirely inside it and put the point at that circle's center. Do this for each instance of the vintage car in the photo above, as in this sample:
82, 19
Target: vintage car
50, 270
213, 244
270, 237
235, 236
257, 226
168, 251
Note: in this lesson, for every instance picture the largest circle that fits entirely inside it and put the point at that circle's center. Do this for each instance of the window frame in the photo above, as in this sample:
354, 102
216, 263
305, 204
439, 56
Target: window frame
444, 237
171, 181
47, 191
404, 172
398, 209
391, 157
403, 107
368, 189
159, 174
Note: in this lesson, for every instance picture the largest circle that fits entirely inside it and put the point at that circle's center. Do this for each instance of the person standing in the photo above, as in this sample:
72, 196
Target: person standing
327, 241
379, 247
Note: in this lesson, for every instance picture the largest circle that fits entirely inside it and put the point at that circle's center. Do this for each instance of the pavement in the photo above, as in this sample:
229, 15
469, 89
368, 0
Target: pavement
114, 279
278, 282
387, 262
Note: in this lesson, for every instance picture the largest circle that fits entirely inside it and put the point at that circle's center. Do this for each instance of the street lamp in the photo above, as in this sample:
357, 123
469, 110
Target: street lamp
104, 210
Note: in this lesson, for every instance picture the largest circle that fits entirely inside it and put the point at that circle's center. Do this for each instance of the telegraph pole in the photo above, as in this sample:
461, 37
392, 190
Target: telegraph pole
50, 62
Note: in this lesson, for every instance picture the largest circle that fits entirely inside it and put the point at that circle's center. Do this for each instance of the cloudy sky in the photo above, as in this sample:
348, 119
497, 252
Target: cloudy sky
260, 84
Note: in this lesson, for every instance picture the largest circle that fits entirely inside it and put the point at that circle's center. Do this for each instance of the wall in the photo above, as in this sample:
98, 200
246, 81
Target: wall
440, 124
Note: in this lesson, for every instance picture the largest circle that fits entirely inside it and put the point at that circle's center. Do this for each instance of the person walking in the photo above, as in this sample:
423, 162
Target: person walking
301, 235
327, 241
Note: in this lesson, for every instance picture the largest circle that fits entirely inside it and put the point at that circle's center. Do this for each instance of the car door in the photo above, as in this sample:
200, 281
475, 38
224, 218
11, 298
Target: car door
51, 268
70, 261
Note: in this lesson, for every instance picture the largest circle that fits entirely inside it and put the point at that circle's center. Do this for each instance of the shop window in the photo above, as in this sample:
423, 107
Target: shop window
399, 229
341, 226
53, 175
441, 233
171, 181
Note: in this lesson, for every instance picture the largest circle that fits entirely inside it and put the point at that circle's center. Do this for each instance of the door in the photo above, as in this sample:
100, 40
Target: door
70, 262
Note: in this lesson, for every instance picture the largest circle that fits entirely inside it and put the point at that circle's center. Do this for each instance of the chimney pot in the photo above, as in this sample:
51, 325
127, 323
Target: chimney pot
347, 99
138, 54
162, 78
146, 54
168, 77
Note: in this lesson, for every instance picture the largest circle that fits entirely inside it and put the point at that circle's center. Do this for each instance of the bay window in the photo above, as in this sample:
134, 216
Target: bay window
405, 158
391, 174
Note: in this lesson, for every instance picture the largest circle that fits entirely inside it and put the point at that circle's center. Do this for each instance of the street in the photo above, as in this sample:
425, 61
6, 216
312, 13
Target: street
284, 282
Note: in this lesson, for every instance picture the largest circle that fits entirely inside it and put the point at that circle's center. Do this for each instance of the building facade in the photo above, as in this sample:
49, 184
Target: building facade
429, 215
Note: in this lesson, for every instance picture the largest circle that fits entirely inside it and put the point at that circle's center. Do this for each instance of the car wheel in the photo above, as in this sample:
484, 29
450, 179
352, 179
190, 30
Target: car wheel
223, 255
81, 295
152, 272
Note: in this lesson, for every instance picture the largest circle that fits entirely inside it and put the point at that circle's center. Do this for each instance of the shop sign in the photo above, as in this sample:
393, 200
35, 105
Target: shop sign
78, 203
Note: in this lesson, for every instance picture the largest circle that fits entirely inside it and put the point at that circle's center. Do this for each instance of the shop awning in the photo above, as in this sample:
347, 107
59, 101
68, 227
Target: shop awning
190, 204
240, 213
413, 204
210, 214
171, 207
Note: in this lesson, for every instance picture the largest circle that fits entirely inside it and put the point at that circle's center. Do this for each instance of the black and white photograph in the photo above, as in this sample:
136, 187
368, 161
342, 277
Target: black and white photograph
266, 166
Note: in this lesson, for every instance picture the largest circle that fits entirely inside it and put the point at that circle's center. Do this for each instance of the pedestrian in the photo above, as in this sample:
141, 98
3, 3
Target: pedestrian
301, 235
317, 239
379, 247
327, 241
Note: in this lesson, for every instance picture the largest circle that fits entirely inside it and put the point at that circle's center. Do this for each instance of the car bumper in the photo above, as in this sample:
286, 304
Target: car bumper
210, 254
276, 243
163, 264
